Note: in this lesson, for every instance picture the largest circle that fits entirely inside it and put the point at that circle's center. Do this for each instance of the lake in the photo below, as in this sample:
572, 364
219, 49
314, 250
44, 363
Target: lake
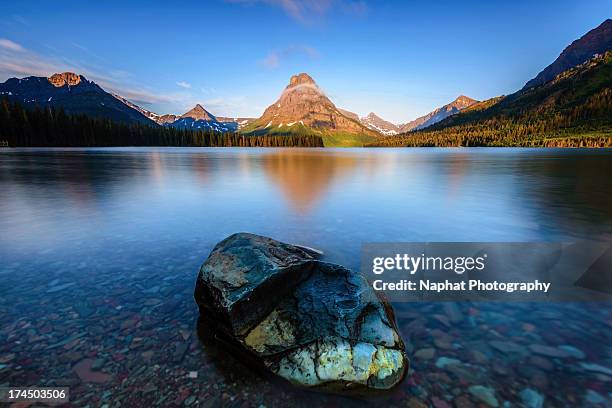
100, 248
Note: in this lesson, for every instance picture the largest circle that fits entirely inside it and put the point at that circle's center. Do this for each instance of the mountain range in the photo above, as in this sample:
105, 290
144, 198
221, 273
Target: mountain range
77, 95
303, 107
572, 110
456, 106
386, 128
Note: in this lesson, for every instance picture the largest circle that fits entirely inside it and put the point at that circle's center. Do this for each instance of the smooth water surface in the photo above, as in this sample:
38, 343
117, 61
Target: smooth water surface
99, 250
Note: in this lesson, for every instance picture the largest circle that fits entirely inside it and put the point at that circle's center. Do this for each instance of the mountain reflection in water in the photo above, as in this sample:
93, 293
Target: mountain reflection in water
304, 195
305, 177
99, 249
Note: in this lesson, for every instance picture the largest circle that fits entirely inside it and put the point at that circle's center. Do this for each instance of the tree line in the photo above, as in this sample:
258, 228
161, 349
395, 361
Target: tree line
586, 125
52, 127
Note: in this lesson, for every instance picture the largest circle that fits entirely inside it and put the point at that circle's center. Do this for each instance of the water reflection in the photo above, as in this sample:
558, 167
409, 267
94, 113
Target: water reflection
304, 177
570, 191
99, 249
305, 195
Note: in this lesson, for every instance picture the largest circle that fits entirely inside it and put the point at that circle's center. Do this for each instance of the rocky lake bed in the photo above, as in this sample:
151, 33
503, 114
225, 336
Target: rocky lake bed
121, 339
97, 292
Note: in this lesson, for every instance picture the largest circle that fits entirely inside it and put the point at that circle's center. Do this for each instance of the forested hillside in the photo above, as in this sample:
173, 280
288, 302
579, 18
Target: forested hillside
573, 110
51, 127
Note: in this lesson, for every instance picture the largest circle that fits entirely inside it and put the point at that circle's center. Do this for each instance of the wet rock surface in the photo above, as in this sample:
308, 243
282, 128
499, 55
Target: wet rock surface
243, 277
310, 322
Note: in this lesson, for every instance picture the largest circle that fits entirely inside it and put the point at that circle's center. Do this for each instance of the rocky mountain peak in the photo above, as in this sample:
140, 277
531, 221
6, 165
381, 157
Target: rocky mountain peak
463, 102
64, 78
303, 104
199, 108
301, 79
378, 124
199, 113
439, 114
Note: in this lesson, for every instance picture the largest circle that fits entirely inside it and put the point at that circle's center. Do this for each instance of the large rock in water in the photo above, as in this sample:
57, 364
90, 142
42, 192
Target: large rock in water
312, 323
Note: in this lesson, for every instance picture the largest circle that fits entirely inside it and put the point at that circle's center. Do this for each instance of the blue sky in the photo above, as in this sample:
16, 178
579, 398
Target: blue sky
400, 59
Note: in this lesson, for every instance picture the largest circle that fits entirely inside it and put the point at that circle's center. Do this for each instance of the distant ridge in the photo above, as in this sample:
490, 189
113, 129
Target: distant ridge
572, 110
196, 118
378, 124
596, 41
159, 119
456, 106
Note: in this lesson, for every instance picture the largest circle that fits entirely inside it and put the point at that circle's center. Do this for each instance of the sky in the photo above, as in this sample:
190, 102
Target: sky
400, 59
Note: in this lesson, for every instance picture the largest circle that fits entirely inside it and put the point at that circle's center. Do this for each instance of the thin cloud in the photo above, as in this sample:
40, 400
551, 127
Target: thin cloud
20, 62
184, 84
226, 106
276, 57
17, 61
146, 97
10, 45
309, 10
21, 20
87, 51
207, 90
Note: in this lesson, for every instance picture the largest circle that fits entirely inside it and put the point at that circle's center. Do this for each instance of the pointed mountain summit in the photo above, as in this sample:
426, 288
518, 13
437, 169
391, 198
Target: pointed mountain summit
439, 114
199, 118
596, 41
462, 102
304, 108
196, 118
378, 124
199, 113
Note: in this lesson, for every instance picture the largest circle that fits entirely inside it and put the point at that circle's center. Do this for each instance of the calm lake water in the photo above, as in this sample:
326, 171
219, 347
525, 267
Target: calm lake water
99, 250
